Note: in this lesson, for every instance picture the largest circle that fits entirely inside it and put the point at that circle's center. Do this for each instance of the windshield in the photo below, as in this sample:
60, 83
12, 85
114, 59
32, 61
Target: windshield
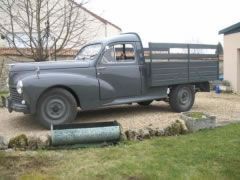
89, 52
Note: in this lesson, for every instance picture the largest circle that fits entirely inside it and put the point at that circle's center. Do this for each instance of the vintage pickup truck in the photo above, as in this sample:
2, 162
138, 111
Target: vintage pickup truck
113, 71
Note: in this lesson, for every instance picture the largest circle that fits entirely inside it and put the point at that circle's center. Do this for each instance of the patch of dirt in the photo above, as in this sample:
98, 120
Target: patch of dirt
14, 165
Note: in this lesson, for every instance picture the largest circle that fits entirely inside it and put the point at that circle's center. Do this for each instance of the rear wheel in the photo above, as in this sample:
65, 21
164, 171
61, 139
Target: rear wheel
56, 106
145, 103
181, 98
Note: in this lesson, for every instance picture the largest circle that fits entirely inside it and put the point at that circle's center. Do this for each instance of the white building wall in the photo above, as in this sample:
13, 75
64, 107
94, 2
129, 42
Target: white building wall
95, 28
232, 60
111, 30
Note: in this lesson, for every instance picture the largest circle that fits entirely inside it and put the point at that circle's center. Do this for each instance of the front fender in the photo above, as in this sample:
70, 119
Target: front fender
85, 87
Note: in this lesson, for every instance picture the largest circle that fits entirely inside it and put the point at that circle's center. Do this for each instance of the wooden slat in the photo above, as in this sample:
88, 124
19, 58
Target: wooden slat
181, 45
167, 45
202, 56
169, 56
202, 46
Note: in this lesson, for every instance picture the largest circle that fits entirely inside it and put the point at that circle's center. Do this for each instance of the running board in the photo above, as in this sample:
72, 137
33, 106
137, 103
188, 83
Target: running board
128, 100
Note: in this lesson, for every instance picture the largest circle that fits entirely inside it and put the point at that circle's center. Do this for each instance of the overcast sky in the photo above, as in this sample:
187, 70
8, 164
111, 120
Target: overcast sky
170, 20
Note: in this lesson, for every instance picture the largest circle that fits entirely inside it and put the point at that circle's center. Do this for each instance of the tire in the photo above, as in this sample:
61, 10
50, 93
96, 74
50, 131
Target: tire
56, 106
181, 98
145, 103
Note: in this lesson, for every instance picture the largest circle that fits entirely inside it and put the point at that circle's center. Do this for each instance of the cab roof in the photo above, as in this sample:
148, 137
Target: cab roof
126, 37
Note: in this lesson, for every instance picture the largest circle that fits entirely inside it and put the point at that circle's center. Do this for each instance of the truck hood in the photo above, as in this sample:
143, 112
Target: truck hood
49, 65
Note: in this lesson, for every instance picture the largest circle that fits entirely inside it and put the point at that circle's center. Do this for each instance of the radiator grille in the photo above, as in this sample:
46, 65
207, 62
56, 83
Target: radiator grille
15, 97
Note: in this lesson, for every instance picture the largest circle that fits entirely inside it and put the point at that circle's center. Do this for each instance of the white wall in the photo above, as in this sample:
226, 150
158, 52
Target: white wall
232, 60
94, 28
238, 69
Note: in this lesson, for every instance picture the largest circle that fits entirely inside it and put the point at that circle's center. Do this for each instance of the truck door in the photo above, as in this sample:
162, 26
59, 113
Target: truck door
118, 72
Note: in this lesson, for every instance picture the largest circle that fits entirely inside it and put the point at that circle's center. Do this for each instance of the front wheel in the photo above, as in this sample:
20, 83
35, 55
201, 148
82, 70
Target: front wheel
181, 98
56, 106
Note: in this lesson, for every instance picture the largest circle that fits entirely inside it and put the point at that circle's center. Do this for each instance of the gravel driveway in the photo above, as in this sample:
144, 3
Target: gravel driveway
158, 114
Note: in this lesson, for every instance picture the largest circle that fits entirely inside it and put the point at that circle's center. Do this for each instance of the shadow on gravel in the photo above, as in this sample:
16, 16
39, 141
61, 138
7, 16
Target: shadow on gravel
28, 123
121, 111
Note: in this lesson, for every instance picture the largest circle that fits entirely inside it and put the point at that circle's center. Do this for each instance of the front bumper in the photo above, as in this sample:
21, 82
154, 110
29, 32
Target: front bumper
12, 106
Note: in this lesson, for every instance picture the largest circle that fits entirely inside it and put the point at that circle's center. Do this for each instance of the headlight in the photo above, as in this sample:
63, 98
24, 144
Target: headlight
19, 87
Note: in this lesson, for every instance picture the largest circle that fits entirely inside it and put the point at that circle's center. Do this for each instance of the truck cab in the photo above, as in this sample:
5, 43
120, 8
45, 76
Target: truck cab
109, 72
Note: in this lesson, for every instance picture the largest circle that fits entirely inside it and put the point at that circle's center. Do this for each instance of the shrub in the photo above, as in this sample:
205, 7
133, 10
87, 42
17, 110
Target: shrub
226, 83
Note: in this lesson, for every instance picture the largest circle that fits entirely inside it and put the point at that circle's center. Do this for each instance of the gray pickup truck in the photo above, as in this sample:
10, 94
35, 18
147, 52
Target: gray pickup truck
113, 71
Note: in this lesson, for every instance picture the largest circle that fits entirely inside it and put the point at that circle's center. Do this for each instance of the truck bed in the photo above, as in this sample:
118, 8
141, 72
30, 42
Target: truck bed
170, 64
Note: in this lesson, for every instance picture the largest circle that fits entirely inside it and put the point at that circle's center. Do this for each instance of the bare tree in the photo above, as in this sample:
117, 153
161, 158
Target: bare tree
38, 29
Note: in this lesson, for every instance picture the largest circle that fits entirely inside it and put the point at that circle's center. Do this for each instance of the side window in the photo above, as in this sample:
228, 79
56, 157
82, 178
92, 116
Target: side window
108, 56
119, 53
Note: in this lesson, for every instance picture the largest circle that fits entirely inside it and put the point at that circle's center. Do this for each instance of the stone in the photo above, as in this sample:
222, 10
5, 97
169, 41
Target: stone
131, 135
19, 142
143, 134
196, 124
123, 136
183, 126
152, 131
159, 132
175, 129
3, 143
44, 141
1, 103
8, 150
33, 143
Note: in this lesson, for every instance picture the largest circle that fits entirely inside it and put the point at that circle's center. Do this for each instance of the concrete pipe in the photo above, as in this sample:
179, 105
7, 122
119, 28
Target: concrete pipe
85, 133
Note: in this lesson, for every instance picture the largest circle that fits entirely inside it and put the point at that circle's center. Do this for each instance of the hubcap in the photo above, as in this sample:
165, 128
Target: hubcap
184, 97
55, 109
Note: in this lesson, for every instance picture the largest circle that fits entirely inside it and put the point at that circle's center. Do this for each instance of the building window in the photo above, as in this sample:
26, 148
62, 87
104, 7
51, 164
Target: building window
22, 40
2, 37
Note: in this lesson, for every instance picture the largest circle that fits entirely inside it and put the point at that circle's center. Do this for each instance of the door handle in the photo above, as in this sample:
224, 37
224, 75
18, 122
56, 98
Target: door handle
101, 68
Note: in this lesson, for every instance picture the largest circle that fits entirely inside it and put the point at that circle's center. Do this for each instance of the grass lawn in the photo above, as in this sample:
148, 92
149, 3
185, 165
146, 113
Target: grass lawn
209, 154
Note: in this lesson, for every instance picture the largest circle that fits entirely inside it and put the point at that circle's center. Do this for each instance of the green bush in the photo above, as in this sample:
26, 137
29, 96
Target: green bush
226, 83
